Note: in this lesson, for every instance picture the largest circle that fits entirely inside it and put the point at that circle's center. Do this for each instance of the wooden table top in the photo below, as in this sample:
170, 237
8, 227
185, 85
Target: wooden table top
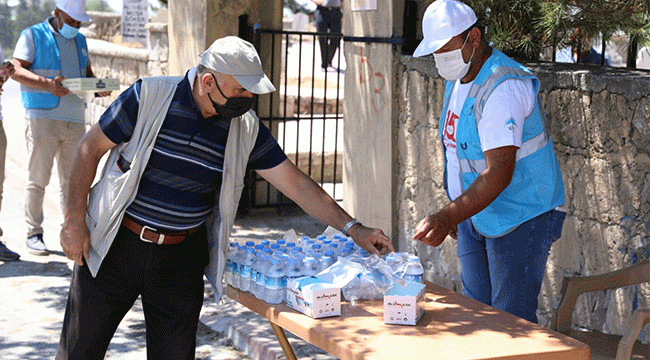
453, 327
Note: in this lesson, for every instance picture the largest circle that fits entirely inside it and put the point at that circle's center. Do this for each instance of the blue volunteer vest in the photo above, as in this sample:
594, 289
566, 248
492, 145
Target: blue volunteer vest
536, 186
47, 63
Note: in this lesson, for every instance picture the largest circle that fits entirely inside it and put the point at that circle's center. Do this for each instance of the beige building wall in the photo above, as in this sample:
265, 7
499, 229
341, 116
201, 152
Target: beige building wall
369, 109
198, 23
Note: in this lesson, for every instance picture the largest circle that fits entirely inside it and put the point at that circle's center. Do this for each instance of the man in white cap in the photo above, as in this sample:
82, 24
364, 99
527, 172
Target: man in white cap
46, 54
501, 174
161, 214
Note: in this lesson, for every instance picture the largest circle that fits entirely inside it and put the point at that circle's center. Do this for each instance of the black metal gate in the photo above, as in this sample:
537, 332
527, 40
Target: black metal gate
305, 114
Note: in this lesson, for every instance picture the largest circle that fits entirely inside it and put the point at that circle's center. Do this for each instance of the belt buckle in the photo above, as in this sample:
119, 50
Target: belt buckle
161, 237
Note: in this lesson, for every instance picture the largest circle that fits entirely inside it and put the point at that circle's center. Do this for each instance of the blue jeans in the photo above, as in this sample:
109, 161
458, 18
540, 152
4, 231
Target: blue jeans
506, 272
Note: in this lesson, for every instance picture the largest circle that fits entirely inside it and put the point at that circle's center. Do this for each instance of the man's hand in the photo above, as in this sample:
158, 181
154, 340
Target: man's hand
6, 70
433, 229
75, 240
372, 240
57, 89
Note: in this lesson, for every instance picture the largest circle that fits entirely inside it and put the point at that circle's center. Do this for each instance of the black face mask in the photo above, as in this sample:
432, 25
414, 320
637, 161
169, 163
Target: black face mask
234, 107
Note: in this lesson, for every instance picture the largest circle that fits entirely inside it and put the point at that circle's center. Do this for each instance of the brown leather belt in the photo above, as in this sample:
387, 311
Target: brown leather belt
149, 234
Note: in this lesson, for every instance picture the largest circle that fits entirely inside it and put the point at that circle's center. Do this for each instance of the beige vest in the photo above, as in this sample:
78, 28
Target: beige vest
114, 192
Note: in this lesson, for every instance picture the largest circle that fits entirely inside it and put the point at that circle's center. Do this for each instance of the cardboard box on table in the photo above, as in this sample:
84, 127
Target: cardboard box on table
403, 305
314, 297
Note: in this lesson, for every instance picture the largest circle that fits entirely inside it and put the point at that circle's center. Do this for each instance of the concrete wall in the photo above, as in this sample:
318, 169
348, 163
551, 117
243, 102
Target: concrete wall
599, 121
369, 109
202, 22
110, 59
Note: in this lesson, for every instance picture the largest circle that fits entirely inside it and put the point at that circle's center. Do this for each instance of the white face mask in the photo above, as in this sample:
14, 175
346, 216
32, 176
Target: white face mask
451, 65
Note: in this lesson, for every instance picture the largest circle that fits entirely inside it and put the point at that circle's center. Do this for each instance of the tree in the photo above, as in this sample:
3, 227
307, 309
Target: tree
31, 14
576, 22
510, 25
98, 5
6, 26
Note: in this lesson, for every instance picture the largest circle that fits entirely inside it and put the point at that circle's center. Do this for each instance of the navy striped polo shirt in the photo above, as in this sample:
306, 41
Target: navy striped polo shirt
178, 187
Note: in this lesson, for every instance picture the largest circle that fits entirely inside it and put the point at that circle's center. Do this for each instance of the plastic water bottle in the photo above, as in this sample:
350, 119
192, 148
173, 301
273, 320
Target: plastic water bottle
276, 282
311, 265
327, 260
280, 242
260, 281
265, 243
290, 245
236, 268
303, 240
334, 247
294, 268
232, 251
297, 252
308, 243
316, 251
414, 270
320, 238
250, 244
246, 270
347, 251
275, 247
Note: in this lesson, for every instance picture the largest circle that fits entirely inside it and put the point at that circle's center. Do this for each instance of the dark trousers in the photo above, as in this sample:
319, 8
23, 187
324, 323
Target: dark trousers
169, 278
328, 20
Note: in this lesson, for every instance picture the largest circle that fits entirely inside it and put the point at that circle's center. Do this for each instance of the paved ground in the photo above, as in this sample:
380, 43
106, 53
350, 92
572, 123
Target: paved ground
33, 291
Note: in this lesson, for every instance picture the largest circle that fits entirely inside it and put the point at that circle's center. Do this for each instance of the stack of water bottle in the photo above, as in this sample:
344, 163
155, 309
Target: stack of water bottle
380, 273
263, 269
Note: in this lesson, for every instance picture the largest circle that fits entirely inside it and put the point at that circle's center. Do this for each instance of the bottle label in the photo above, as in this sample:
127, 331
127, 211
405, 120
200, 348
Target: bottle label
246, 271
276, 283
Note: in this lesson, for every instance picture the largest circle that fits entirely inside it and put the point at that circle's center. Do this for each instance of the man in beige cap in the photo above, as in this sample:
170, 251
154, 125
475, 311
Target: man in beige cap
161, 214
45, 55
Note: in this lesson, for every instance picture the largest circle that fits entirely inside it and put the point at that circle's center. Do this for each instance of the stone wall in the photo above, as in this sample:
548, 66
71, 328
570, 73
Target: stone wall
112, 59
599, 119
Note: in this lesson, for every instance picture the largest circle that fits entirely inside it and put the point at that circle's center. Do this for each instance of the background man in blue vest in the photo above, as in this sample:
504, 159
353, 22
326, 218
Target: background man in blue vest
46, 54
501, 171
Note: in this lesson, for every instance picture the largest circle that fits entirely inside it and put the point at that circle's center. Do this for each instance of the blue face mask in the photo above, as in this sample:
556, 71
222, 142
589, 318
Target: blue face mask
68, 31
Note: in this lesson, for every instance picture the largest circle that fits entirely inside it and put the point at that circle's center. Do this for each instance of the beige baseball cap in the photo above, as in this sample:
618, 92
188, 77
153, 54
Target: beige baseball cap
443, 20
236, 57
75, 8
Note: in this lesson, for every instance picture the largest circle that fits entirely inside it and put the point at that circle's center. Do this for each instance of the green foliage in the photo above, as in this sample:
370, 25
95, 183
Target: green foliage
520, 28
6, 26
510, 25
98, 5
575, 22
31, 14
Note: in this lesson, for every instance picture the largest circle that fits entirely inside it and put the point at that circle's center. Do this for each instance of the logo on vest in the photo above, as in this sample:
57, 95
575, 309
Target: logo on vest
511, 126
449, 136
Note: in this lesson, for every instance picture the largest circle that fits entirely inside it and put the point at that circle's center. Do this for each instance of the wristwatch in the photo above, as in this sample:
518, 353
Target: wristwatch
349, 225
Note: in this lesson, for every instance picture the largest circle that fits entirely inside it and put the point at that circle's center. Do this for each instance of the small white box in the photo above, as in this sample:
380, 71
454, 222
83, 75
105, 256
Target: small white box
78, 85
403, 305
314, 297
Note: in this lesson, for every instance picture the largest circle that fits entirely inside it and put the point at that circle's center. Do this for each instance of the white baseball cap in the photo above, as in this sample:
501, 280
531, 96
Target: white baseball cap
443, 20
75, 8
236, 57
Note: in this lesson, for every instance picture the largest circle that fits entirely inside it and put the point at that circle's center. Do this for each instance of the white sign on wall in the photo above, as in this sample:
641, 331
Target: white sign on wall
135, 15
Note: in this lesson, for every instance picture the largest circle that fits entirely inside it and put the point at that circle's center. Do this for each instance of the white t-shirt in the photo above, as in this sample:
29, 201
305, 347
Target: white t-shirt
501, 124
